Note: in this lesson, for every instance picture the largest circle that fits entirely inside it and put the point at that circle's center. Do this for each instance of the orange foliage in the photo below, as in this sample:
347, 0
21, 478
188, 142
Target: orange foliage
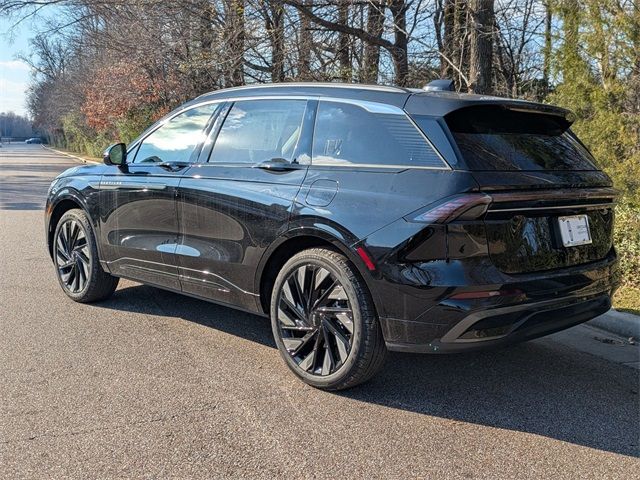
116, 90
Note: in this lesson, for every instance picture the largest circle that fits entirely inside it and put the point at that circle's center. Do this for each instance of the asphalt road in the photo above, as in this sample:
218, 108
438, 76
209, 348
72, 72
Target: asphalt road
154, 384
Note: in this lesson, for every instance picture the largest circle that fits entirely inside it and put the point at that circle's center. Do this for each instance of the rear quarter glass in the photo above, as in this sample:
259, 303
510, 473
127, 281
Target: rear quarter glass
496, 138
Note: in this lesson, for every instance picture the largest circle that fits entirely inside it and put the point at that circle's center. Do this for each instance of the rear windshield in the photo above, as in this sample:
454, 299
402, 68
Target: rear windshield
496, 138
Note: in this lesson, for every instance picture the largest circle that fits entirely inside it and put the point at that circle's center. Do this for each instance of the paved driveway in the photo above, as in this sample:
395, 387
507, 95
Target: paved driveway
154, 384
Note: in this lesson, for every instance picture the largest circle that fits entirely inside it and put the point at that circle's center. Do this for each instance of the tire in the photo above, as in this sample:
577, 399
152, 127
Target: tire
75, 256
324, 321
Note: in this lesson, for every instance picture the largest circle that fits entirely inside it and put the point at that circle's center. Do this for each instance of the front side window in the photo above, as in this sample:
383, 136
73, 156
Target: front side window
259, 130
349, 135
176, 140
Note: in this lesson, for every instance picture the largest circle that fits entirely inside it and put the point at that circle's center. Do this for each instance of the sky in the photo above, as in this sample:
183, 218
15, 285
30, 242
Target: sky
14, 73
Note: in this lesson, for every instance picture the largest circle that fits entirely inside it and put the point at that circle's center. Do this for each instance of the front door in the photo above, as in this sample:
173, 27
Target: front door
138, 205
233, 206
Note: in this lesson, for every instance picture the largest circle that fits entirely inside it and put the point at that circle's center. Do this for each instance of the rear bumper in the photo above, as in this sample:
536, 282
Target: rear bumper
496, 327
541, 304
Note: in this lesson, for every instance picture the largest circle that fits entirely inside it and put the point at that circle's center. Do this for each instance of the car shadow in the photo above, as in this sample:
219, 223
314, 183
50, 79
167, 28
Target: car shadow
539, 387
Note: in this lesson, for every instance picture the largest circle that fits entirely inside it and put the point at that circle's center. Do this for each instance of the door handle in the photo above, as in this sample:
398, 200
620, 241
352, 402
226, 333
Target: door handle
173, 166
277, 165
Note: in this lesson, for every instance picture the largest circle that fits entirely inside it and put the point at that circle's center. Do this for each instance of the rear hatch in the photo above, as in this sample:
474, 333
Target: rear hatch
552, 207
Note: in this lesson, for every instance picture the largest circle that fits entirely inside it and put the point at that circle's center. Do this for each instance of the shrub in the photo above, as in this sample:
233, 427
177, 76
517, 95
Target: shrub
627, 241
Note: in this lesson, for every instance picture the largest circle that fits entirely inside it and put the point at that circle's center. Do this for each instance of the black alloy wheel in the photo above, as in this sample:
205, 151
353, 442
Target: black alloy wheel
75, 256
324, 321
315, 320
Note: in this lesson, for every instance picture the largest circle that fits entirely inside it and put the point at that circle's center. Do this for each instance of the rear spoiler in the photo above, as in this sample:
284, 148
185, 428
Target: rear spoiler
441, 103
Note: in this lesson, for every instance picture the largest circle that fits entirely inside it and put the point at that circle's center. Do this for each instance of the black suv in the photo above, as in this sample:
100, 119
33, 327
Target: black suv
359, 218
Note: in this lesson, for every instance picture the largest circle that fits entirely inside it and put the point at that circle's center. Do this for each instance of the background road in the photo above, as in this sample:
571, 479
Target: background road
154, 384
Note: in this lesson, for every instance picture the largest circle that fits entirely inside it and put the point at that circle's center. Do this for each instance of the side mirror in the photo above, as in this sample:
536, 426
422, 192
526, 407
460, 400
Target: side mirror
116, 154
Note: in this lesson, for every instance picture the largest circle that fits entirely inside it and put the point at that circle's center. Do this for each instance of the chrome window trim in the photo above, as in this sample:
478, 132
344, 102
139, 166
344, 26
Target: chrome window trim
381, 166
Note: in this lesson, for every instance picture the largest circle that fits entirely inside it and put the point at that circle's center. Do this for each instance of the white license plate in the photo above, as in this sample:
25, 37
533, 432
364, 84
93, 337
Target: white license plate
574, 230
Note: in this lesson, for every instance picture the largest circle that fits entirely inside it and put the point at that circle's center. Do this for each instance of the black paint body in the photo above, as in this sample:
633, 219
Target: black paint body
219, 231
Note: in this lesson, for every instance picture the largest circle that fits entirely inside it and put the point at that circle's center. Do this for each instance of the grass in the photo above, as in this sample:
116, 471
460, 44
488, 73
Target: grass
81, 155
627, 299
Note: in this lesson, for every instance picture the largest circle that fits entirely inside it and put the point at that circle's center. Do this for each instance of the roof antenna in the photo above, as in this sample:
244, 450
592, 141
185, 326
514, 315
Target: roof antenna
443, 85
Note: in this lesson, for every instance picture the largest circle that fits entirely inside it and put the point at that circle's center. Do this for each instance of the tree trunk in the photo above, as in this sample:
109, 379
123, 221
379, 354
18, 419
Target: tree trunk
546, 67
375, 26
481, 46
399, 53
276, 33
449, 44
344, 58
234, 33
304, 48
460, 40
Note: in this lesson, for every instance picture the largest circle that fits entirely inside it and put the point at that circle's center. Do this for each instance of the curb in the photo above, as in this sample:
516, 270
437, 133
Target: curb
83, 160
621, 323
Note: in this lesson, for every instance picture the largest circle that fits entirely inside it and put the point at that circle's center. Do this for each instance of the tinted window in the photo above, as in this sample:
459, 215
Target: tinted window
494, 138
176, 139
259, 130
347, 134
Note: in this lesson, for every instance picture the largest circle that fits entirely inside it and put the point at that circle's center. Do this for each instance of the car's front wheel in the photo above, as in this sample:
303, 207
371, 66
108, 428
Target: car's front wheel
324, 321
75, 256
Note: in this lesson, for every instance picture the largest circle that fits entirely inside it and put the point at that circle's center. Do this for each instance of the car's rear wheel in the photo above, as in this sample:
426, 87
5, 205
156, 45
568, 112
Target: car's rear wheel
324, 321
75, 256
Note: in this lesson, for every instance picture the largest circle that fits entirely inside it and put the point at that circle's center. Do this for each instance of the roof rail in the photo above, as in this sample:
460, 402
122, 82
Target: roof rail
379, 88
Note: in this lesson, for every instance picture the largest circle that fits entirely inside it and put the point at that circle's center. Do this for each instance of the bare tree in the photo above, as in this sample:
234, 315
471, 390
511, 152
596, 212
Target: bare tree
481, 45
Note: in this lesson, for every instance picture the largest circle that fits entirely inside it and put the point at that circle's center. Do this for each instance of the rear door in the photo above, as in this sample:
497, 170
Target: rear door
138, 205
234, 204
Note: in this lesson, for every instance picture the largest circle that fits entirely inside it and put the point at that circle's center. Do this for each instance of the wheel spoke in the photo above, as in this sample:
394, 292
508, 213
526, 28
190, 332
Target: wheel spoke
303, 342
346, 320
307, 285
80, 276
67, 236
329, 357
294, 309
71, 281
84, 268
83, 257
297, 328
328, 294
62, 254
322, 280
65, 264
296, 290
62, 244
339, 336
74, 228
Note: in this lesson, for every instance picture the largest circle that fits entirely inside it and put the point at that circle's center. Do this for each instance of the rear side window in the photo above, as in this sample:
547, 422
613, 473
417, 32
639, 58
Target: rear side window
259, 130
496, 138
348, 134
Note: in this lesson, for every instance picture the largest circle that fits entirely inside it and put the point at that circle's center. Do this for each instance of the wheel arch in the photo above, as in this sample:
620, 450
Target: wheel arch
67, 200
293, 242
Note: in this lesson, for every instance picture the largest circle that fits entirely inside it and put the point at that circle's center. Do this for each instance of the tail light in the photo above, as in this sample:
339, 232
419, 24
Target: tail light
467, 206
